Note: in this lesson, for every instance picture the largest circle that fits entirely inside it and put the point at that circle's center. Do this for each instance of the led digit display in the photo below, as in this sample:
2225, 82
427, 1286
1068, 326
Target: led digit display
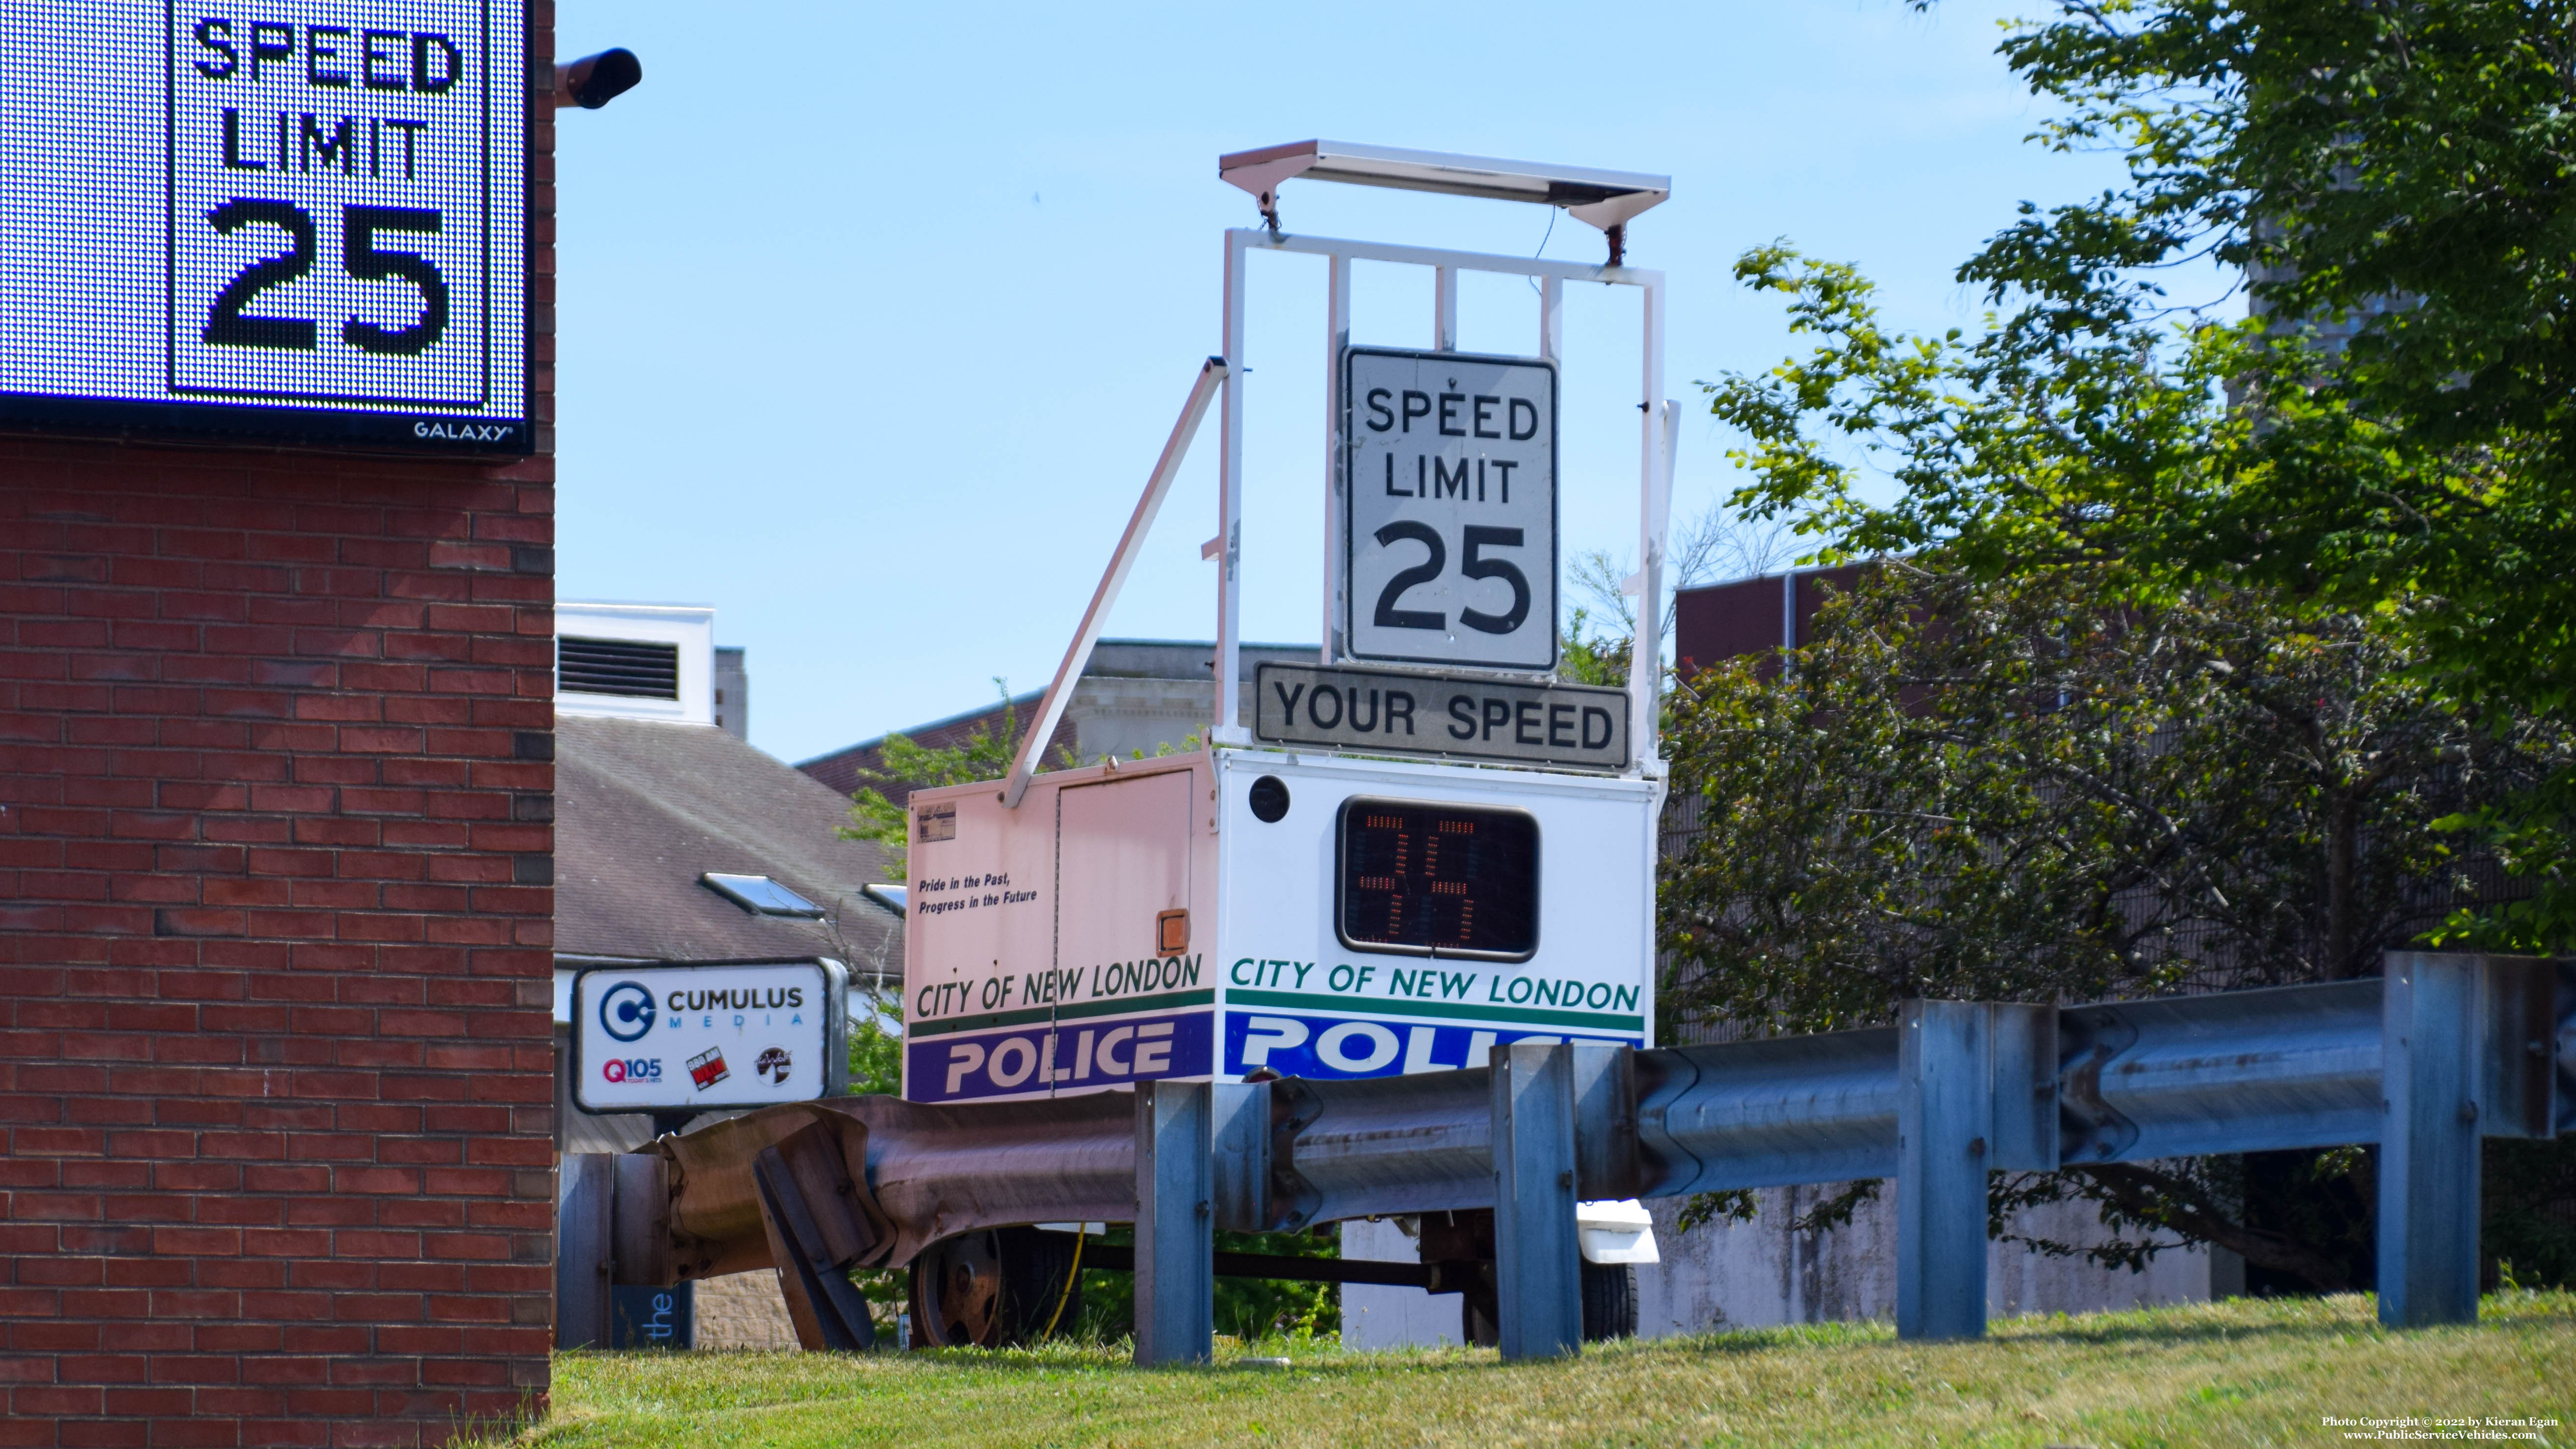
301, 221
1426, 879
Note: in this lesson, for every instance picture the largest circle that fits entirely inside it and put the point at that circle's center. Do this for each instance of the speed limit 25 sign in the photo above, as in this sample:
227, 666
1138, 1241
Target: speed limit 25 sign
1449, 542
296, 219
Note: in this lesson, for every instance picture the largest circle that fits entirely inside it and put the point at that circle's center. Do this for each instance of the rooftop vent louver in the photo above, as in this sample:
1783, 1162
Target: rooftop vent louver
634, 668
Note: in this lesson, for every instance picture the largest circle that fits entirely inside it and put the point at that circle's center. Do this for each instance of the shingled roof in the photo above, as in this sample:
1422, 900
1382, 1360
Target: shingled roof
643, 808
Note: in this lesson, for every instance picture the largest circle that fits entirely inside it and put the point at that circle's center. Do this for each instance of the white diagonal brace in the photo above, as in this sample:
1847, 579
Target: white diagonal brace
1078, 653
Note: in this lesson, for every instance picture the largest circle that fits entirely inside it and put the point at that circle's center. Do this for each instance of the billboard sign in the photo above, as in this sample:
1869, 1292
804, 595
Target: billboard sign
302, 222
670, 1038
1449, 539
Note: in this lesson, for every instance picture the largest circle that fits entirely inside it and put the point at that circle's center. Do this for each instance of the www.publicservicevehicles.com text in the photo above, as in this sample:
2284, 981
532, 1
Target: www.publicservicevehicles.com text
2411, 1428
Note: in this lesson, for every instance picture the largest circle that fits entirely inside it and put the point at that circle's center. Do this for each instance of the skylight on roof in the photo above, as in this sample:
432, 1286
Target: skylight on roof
891, 895
760, 895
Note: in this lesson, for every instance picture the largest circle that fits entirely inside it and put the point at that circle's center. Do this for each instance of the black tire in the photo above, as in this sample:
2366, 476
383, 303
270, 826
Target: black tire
1609, 1302
1480, 1311
1609, 1307
1035, 1266
1478, 1318
993, 1289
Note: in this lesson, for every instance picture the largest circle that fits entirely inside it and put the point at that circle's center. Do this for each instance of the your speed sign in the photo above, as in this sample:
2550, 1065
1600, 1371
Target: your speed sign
1449, 540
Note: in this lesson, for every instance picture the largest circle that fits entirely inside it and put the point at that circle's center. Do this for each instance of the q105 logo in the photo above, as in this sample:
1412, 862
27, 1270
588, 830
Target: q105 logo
626, 1011
640, 1069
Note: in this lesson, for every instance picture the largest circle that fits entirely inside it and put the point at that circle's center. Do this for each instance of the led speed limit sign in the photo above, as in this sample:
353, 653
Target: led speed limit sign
300, 219
1449, 543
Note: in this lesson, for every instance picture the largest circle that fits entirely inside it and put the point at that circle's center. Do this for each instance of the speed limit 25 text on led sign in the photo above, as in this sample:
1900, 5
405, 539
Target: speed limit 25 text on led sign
299, 220
1449, 549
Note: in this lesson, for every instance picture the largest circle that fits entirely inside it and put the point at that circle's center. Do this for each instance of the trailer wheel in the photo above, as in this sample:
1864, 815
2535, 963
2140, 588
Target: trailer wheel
990, 1289
1609, 1302
1609, 1307
1482, 1322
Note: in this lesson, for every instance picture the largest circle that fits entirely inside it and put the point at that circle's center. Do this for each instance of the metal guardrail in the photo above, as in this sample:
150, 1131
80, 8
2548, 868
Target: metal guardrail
2441, 1051
2249, 1071
1767, 1113
1379, 1145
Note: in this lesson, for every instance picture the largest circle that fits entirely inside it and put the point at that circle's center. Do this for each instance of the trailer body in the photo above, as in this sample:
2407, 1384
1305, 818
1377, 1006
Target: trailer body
1215, 913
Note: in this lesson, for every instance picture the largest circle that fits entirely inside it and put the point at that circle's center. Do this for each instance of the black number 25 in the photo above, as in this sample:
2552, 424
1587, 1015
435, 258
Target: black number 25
229, 325
1473, 565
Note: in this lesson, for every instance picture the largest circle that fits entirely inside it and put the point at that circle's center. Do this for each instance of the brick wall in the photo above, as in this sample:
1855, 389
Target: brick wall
1722, 621
275, 916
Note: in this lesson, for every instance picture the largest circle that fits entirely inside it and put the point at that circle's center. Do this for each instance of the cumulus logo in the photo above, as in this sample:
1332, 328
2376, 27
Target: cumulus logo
626, 1012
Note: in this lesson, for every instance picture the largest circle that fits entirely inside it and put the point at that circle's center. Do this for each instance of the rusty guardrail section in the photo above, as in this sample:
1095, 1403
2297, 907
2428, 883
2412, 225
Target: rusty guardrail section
817, 1188
2441, 1051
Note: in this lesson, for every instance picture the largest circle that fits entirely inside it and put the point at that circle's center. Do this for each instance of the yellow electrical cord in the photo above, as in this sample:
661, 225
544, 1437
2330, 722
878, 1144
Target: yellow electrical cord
1072, 1276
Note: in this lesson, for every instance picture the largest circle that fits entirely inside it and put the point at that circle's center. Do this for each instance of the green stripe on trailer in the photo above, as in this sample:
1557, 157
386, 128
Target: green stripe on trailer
1445, 1010
1114, 1006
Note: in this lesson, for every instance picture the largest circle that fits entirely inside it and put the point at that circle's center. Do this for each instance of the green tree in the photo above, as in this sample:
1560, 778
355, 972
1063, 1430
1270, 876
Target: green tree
2390, 431
984, 755
2398, 183
2385, 439
2034, 788
2031, 788
876, 1047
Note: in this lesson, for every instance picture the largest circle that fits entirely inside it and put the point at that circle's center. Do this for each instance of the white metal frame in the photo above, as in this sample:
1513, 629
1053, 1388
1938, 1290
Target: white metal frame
1658, 430
1605, 199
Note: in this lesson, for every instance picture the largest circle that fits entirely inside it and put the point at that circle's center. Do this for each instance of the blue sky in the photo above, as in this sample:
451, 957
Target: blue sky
874, 318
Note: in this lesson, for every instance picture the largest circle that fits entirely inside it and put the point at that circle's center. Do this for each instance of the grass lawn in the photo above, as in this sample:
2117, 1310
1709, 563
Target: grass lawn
2244, 1372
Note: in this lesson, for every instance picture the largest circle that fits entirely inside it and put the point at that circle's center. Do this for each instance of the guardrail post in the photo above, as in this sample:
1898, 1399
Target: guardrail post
2429, 1143
1944, 1118
1175, 1224
2527, 1047
1537, 1260
583, 1206
639, 1232
1606, 1164
1239, 1141
2024, 1054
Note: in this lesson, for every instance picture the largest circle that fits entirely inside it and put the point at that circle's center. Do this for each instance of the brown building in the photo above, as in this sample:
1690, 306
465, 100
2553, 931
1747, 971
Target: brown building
1750, 616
